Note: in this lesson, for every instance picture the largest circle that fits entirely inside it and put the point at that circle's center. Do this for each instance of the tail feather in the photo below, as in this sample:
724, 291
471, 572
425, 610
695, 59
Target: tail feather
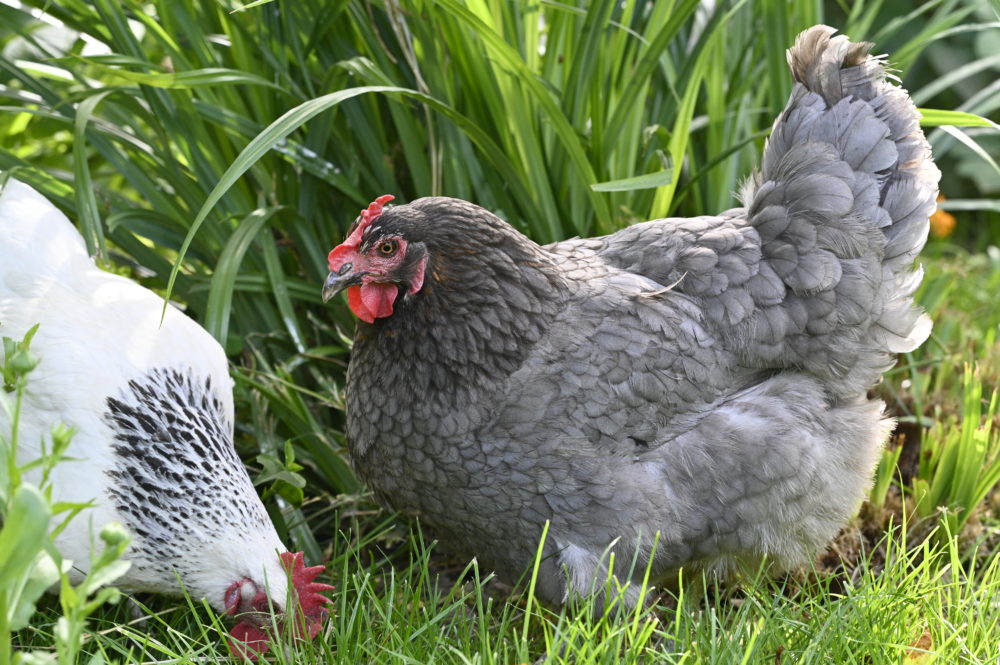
841, 205
835, 67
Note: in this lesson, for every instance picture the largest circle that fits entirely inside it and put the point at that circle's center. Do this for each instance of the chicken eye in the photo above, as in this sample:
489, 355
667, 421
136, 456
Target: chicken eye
388, 248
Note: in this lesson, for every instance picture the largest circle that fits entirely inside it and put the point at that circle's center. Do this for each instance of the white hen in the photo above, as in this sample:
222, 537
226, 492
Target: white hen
152, 407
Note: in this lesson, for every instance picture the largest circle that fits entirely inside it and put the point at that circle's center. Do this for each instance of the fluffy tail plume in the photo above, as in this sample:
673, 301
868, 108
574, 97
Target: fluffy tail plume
841, 206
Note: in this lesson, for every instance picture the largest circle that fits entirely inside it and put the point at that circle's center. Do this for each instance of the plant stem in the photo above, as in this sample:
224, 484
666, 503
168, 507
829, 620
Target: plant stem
5, 648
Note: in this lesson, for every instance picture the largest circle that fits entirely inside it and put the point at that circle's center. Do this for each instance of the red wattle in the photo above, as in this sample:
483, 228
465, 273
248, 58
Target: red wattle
248, 641
357, 306
372, 301
379, 298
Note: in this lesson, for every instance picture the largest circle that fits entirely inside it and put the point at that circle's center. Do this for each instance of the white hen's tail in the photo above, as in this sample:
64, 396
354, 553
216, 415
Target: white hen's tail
841, 206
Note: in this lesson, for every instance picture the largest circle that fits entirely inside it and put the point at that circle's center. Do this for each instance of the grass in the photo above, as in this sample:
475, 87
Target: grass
909, 599
217, 153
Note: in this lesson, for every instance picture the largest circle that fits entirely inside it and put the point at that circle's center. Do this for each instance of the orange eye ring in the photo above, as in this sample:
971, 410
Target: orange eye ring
387, 248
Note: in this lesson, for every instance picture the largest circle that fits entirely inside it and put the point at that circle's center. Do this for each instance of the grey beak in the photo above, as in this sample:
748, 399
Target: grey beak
340, 280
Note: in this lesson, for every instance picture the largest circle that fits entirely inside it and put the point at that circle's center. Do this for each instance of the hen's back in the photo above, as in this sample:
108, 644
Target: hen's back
815, 273
96, 326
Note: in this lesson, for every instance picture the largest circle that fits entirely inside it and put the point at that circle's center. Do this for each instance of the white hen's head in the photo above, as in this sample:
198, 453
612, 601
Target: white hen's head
253, 605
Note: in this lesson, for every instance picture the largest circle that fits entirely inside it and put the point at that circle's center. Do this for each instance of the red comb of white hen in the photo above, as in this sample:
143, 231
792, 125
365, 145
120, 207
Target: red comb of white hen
312, 602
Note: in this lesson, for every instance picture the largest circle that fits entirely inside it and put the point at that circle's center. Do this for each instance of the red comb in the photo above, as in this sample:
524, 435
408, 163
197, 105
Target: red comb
353, 241
375, 208
309, 592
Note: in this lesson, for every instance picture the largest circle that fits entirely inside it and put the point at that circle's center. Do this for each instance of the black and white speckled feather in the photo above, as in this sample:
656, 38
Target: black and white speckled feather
177, 481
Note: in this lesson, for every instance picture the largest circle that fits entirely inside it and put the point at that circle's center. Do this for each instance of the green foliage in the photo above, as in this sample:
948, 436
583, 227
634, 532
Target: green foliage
949, 412
960, 461
80, 601
25, 568
283, 476
957, 293
17, 360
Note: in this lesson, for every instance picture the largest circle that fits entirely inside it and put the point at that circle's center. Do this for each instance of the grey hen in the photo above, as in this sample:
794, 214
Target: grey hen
699, 380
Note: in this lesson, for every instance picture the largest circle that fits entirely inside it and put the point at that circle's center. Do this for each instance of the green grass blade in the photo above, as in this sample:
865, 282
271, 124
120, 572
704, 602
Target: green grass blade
646, 181
86, 202
965, 140
939, 117
220, 292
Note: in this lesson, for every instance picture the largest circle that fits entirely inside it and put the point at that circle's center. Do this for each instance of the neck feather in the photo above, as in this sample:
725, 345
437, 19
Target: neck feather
482, 308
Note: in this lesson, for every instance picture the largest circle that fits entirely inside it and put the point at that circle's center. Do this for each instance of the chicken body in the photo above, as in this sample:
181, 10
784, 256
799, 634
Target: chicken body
151, 404
698, 384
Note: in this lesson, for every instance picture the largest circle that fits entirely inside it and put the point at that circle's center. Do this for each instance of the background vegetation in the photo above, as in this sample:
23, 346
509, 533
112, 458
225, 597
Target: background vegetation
217, 153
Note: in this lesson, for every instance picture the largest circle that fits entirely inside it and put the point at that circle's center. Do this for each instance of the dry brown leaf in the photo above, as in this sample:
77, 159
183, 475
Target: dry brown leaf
921, 651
